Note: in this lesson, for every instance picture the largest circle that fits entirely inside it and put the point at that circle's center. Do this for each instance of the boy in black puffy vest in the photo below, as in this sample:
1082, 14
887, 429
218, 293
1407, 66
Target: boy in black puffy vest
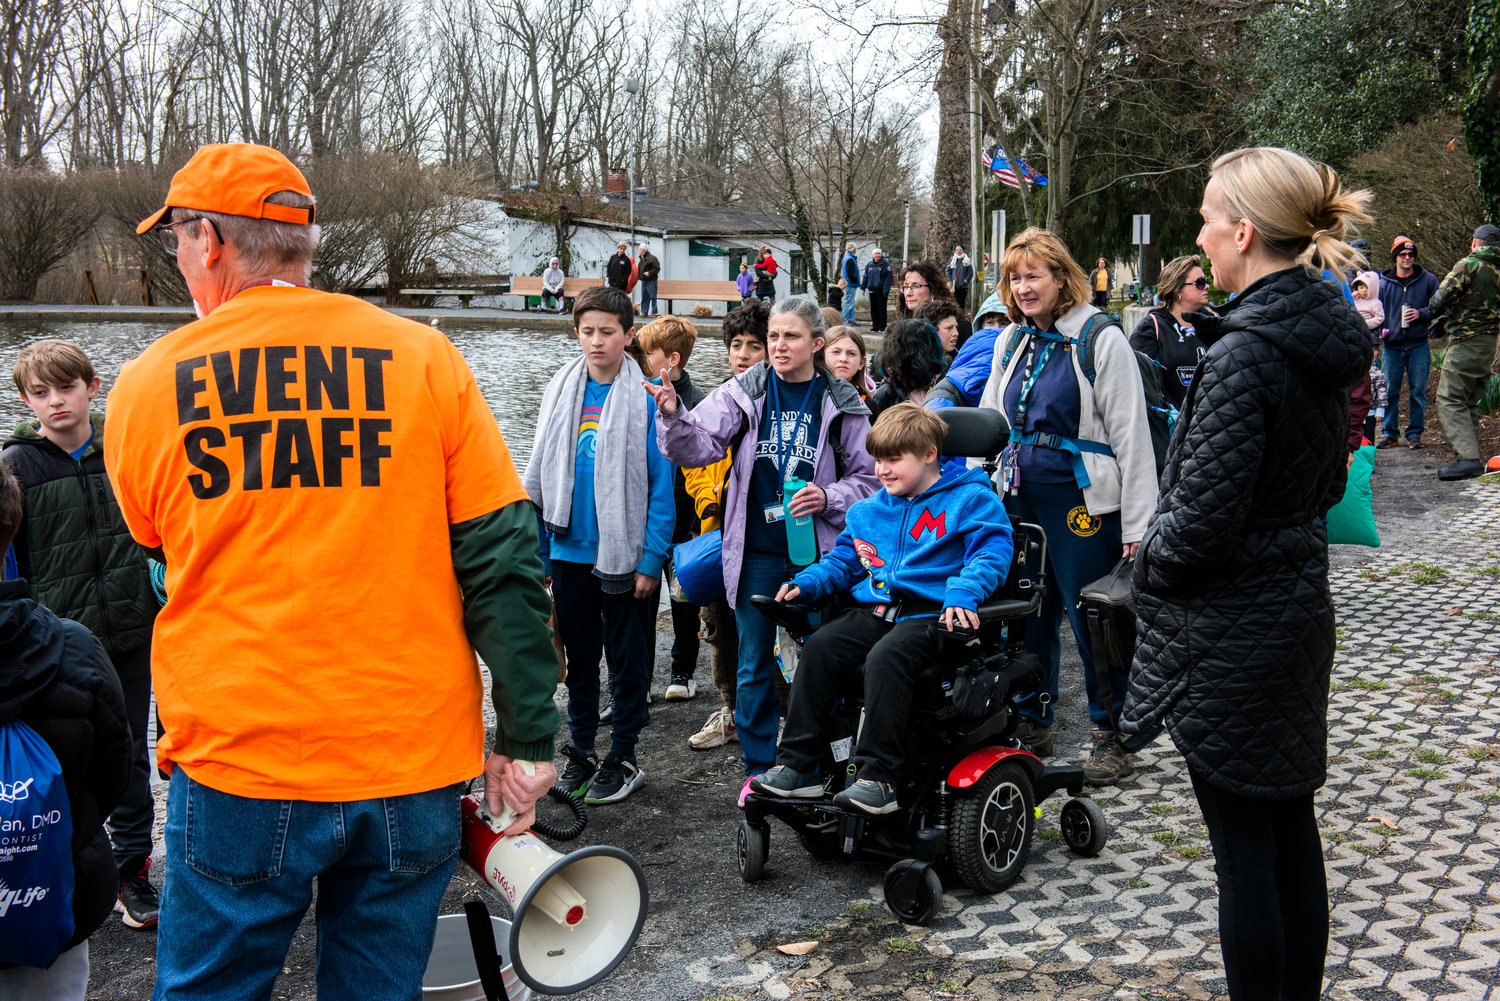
56, 678
75, 551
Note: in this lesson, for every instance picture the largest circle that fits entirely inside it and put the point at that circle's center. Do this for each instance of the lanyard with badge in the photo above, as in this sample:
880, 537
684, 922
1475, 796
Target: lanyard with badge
777, 511
1036, 360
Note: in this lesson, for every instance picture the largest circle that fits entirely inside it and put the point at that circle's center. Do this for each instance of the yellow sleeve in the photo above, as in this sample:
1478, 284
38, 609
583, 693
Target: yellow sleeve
705, 485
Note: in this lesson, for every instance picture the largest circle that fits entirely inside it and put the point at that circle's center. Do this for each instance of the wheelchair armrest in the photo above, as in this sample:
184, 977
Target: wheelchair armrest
790, 615
1008, 608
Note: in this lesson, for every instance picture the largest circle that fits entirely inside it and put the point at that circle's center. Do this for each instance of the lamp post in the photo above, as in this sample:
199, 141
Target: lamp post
632, 87
906, 236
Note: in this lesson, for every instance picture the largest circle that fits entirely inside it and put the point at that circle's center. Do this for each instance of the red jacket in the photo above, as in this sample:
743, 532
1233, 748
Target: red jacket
768, 265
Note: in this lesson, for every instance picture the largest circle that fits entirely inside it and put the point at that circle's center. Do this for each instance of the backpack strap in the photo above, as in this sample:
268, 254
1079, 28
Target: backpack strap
1075, 447
1157, 324
841, 456
1010, 349
1085, 340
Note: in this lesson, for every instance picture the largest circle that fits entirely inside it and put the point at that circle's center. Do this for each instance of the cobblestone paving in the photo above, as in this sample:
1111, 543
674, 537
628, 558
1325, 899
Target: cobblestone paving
1410, 820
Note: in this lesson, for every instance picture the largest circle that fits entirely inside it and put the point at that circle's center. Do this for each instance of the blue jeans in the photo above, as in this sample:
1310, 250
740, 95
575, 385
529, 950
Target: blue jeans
648, 297
1073, 560
757, 714
590, 622
849, 294
240, 876
1415, 363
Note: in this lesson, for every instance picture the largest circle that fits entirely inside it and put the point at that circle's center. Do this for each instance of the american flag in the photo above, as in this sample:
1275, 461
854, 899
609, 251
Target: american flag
999, 165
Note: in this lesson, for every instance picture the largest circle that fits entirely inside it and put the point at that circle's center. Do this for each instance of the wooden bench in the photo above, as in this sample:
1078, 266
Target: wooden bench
529, 285
707, 291
427, 297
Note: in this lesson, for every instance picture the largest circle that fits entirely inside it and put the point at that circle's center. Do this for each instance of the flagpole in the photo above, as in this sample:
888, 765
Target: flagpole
975, 137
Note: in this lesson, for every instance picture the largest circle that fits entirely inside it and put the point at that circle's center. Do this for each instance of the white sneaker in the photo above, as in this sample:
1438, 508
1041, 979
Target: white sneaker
718, 731
681, 690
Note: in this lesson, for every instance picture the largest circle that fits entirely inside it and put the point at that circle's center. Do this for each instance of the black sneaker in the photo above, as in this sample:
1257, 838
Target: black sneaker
576, 774
788, 783
616, 779
869, 796
138, 902
1035, 738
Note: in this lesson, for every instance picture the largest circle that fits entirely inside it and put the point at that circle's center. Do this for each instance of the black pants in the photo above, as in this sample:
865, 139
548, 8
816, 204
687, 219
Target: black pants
1101, 300
877, 312
130, 825
1273, 894
961, 296
892, 656
589, 618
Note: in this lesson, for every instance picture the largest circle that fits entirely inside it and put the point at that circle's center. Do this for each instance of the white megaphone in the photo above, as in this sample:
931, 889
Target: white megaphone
576, 915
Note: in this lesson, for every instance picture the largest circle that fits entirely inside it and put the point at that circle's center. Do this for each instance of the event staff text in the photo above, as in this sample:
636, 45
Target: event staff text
303, 451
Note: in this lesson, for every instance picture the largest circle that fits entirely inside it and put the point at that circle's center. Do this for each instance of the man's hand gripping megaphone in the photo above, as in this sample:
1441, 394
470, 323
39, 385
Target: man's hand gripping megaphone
512, 787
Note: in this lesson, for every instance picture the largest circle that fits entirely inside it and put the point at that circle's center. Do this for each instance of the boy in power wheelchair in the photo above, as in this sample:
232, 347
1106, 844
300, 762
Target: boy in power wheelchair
919, 556
949, 788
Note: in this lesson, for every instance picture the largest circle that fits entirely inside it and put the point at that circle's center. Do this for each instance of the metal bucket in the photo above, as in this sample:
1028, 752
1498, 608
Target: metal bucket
451, 974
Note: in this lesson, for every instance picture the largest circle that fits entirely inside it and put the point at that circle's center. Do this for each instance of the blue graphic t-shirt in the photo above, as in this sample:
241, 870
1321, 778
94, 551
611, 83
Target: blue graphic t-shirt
786, 446
583, 526
1053, 407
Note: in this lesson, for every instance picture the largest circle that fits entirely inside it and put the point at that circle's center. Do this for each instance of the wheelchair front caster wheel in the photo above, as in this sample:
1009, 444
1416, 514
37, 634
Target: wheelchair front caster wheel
1083, 826
753, 844
913, 891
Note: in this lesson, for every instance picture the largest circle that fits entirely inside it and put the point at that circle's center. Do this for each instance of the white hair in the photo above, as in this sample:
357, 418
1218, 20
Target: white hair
265, 245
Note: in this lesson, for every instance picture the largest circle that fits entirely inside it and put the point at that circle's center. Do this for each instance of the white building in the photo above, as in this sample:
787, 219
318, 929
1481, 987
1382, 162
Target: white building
693, 243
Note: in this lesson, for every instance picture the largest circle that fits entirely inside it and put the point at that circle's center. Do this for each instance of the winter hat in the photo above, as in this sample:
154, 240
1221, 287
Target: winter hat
1487, 234
1402, 243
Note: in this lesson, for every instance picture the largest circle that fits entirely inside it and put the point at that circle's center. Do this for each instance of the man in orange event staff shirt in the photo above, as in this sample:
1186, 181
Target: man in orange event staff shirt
342, 526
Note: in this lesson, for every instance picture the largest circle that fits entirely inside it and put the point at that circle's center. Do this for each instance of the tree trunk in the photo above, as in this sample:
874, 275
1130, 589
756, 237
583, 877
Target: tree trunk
949, 225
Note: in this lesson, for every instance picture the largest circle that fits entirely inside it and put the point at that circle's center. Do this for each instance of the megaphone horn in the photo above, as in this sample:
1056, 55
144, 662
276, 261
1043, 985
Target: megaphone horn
576, 915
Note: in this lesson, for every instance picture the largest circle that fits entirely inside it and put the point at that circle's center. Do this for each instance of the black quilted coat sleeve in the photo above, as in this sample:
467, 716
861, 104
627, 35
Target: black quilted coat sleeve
1235, 619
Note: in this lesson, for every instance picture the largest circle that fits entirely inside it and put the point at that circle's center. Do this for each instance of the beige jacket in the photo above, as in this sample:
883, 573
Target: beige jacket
1111, 410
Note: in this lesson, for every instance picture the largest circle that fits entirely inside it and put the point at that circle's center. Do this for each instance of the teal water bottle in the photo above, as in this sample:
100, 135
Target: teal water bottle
801, 539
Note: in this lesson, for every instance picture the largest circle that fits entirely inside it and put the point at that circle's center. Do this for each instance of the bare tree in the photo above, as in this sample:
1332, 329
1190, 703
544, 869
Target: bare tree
54, 51
553, 45
43, 216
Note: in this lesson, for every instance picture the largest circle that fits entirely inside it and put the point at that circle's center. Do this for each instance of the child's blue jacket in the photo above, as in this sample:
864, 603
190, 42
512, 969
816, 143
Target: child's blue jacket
950, 545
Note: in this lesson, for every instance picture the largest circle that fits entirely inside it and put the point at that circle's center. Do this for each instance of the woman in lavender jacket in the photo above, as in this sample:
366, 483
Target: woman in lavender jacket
783, 419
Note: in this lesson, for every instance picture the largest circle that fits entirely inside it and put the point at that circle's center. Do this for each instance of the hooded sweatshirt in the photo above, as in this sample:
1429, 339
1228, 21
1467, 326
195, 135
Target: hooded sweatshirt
1415, 290
948, 546
1370, 309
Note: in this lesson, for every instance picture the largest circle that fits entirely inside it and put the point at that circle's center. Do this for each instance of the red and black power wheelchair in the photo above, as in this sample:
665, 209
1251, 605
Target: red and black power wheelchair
969, 792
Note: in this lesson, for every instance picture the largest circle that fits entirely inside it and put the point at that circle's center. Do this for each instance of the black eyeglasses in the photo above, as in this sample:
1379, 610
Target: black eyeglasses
167, 232
1199, 283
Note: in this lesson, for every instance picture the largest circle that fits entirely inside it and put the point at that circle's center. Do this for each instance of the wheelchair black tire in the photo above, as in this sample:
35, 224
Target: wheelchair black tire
753, 846
1083, 827
992, 828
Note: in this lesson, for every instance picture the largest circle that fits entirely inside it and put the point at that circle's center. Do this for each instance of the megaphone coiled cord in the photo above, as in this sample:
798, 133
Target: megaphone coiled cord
580, 818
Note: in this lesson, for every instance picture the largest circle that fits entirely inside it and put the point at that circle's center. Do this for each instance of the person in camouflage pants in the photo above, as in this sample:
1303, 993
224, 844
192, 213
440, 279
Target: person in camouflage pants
1470, 297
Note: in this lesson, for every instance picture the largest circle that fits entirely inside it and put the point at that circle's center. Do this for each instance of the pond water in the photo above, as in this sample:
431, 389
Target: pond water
512, 366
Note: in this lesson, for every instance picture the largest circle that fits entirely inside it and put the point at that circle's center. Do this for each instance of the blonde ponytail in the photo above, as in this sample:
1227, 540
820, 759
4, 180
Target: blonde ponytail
1299, 208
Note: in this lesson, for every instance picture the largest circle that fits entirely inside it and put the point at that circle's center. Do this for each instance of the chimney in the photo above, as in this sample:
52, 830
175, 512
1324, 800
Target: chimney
616, 183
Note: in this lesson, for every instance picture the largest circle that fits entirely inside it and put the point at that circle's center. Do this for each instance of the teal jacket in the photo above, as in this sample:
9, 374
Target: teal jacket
73, 546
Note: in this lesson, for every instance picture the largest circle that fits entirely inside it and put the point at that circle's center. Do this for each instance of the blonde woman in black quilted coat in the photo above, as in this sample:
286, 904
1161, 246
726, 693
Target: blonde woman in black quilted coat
1236, 620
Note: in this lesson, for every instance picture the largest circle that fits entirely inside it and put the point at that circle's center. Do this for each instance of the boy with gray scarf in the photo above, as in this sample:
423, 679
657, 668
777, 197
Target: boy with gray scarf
604, 496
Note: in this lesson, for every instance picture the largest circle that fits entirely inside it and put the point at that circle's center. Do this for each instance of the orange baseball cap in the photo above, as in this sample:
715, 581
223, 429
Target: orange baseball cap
236, 179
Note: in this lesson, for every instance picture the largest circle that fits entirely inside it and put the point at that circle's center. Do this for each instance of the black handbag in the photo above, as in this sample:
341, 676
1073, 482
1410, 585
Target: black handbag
1108, 606
981, 687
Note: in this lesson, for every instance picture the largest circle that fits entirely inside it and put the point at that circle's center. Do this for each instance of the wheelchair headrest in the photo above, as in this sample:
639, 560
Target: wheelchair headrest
976, 432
